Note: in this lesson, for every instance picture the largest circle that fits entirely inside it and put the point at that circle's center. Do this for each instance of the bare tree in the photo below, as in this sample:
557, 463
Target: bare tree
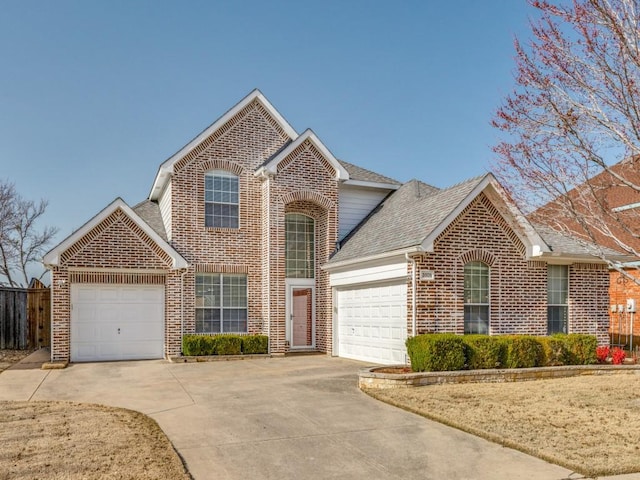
21, 243
570, 154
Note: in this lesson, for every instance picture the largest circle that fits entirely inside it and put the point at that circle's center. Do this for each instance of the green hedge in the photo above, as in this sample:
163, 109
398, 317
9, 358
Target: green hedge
554, 351
252, 344
440, 352
581, 348
483, 351
225, 344
436, 352
522, 351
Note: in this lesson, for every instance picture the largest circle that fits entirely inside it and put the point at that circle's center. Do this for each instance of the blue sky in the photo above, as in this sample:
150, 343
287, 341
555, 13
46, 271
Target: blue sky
95, 95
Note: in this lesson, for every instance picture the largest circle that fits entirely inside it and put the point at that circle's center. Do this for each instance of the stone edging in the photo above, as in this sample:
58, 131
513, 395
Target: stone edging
368, 378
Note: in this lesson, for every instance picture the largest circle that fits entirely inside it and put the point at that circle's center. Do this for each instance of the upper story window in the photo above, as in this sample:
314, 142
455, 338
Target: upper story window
221, 199
557, 298
476, 297
299, 246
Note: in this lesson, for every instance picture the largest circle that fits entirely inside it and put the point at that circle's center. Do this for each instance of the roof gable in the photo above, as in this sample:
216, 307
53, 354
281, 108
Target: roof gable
498, 197
270, 167
167, 167
53, 257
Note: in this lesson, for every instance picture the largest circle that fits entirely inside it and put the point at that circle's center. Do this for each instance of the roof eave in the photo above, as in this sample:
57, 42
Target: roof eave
332, 266
364, 183
564, 258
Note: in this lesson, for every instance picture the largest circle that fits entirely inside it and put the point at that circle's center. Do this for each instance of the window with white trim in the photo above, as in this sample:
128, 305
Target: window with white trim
299, 246
221, 303
476, 298
221, 199
557, 298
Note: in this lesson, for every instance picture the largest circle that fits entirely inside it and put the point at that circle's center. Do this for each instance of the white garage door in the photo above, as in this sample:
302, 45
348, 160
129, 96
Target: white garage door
116, 322
372, 323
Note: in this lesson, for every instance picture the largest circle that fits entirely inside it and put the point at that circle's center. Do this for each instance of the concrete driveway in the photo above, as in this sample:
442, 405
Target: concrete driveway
281, 418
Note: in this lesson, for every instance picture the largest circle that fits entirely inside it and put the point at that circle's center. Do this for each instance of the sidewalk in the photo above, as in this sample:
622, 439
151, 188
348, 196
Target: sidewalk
33, 361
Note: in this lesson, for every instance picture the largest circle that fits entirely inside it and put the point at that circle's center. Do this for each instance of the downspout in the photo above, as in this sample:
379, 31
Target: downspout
182, 309
267, 198
413, 293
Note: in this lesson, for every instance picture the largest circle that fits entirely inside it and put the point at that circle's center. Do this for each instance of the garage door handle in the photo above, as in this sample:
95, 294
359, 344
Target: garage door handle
118, 331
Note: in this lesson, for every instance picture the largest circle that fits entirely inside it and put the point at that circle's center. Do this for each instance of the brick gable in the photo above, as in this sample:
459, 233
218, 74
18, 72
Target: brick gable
518, 287
117, 242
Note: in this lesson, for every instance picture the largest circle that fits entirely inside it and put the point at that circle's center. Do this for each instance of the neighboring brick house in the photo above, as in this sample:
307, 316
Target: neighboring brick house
239, 232
615, 223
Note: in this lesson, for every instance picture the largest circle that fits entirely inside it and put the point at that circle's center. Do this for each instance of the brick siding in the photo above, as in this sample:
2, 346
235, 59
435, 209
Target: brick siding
305, 183
518, 287
116, 243
622, 288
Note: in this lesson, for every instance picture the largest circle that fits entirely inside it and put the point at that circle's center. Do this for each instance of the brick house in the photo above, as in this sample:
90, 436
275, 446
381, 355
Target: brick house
239, 235
614, 225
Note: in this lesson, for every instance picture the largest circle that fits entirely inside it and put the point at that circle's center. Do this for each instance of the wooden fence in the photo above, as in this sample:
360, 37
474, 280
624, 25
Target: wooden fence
39, 317
25, 318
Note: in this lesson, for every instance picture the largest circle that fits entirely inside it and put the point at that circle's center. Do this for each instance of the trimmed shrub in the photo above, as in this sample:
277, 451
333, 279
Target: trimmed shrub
195, 345
554, 352
581, 348
483, 351
602, 352
436, 352
618, 356
252, 344
523, 351
228, 344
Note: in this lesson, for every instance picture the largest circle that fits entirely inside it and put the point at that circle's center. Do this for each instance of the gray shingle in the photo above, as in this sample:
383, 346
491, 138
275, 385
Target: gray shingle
404, 219
149, 211
562, 243
362, 174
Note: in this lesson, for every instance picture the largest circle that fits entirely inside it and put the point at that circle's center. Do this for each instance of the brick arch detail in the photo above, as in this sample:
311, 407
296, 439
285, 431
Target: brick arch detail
307, 196
477, 254
217, 164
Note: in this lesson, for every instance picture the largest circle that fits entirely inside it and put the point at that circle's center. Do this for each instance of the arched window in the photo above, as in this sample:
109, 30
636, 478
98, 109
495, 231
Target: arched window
299, 246
221, 199
476, 297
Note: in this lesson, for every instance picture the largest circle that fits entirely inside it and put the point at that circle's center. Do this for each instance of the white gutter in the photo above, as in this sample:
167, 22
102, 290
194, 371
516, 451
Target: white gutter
379, 256
364, 183
413, 293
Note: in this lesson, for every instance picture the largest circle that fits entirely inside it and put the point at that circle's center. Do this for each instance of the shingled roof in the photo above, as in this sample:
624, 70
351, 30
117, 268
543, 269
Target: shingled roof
364, 175
404, 219
149, 211
563, 243
415, 214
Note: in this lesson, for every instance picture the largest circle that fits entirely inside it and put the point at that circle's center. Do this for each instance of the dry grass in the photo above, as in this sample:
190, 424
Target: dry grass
9, 357
60, 440
590, 424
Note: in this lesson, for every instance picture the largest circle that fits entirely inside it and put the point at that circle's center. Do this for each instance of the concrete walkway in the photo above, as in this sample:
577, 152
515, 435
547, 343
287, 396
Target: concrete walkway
281, 418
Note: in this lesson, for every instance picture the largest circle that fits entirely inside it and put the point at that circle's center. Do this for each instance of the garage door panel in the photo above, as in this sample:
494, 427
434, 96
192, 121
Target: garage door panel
117, 322
372, 323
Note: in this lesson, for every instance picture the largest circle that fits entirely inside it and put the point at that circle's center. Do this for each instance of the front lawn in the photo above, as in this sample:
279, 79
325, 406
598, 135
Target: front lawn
61, 440
589, 424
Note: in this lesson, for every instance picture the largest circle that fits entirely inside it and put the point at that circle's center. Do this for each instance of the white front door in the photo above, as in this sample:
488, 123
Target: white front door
300, 316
